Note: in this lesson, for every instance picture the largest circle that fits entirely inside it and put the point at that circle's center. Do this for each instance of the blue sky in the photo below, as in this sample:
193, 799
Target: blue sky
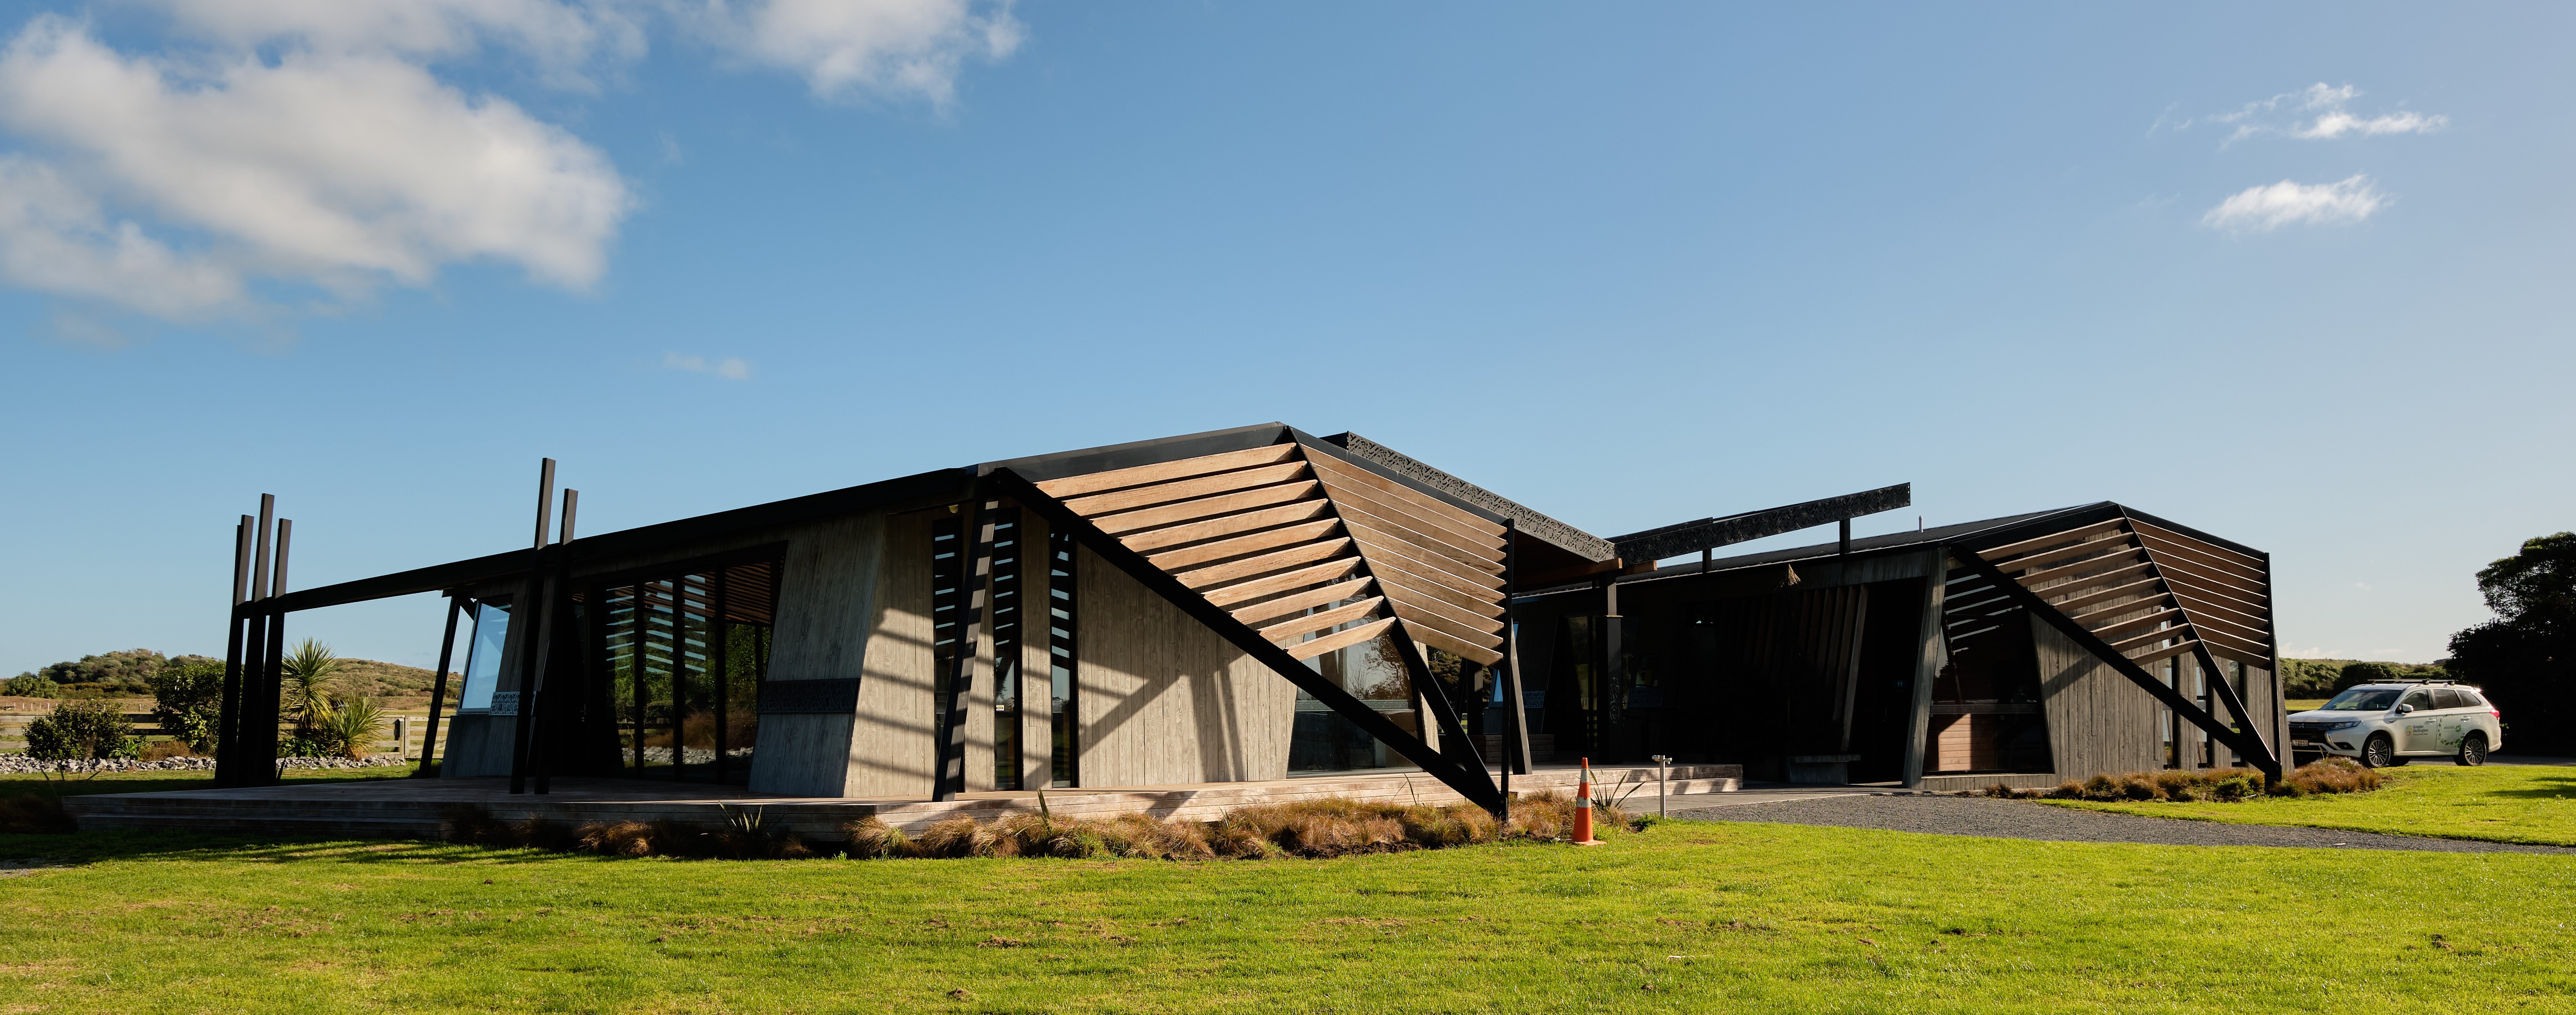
2293, 274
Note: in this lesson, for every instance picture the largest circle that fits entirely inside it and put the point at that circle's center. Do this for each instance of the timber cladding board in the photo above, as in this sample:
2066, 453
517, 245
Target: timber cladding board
1274, 531
1165, 700
2104, 576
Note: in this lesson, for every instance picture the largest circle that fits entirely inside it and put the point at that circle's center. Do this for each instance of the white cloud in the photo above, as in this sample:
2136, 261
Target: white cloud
844, 49
2287, 114
729, 368
2269, 207
310, 143
341, 170
560, 37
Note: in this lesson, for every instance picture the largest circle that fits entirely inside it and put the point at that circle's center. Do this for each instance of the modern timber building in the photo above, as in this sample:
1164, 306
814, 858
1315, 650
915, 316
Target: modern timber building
1258, 603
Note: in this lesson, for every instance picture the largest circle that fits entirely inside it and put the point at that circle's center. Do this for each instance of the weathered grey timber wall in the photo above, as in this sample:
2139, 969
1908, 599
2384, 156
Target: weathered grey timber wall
833, 596
2097, 720
1165, 700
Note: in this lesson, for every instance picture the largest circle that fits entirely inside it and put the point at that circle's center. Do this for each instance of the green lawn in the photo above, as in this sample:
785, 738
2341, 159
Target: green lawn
2501, 803
1686, 917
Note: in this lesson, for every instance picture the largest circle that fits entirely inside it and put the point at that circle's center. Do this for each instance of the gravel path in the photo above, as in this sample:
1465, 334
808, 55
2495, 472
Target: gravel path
2021, 819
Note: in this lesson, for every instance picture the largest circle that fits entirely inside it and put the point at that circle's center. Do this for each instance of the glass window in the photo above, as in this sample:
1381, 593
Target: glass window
2420, 698
682, 657
1322, 740
483, 658
2444, 697
2363, 699
2470, 699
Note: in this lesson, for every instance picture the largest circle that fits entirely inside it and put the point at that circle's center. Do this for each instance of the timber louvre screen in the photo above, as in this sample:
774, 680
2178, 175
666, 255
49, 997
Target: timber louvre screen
2135, 594
1320, 554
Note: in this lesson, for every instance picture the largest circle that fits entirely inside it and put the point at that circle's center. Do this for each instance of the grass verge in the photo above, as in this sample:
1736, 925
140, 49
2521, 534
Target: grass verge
2496, 803
1686, 916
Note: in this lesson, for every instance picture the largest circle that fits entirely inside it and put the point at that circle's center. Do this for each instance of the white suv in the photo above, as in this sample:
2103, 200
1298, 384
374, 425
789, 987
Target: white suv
2387, 724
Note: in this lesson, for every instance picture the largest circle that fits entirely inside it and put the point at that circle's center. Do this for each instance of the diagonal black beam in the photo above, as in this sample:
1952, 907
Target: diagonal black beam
1454, 743
1708, 533
2269, 761
2173, 699
972, 598
438, 688
1475, 786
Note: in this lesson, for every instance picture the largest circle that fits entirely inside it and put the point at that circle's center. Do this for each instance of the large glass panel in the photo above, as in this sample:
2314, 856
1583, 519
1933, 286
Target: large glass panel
483, 659
685, 656
693, 688
1323, 740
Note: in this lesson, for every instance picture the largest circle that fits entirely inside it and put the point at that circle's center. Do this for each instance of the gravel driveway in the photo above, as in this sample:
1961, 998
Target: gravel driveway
2021, 819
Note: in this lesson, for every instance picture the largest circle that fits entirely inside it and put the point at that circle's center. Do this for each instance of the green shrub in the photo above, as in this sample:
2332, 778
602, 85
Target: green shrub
309, 675
30, 685
187, 699
82, 731
349, 727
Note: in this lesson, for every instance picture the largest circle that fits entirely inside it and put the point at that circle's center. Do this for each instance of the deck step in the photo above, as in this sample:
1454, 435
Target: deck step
415, 808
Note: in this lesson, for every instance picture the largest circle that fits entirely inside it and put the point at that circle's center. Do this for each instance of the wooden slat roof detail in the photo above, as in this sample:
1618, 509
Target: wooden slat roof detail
2148, 591
1274, 532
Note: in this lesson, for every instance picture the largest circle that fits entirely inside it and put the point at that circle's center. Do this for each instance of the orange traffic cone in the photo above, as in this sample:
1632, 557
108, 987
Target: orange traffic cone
1583, 808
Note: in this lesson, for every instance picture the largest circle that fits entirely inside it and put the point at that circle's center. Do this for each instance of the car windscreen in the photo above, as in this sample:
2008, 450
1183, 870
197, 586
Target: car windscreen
2365, 699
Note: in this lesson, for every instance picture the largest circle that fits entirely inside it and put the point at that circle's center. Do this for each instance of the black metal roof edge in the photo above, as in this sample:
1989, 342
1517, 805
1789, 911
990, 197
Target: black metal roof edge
1346, 457
1540, 526
932, 486
1040, 468
2195, 533
1685, 537
1866, 546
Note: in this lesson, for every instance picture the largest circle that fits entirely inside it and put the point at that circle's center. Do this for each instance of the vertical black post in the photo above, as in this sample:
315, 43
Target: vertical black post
228, 718
261, 734
716, 652
1614, 668
1846, 548
533, 609
245, 768
950, 777
1706, 557
640, 624
438, 688
1516, 754
572, 503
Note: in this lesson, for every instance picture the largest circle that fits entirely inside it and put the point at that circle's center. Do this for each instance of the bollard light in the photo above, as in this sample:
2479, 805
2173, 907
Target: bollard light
1663, 785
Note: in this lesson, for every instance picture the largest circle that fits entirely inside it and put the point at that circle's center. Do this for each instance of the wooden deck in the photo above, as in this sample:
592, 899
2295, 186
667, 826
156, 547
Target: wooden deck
414, 808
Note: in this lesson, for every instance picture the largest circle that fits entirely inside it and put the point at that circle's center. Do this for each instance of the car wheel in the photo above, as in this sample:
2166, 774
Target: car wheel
2473, 751
2379, 752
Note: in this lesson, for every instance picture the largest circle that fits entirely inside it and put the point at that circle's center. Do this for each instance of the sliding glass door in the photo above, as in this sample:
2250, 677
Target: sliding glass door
686, 652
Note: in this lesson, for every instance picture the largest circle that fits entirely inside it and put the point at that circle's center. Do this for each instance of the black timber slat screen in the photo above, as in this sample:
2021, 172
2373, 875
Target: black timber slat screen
1007, 638
947, 611
1064, 654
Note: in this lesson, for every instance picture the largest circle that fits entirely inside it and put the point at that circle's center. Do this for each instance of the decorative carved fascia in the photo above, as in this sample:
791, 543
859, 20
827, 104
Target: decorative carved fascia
1545, 529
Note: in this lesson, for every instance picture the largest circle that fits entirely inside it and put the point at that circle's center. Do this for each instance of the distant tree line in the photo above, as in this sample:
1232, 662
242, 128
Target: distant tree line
2323, 678
2525, 658
130, 674
113, 674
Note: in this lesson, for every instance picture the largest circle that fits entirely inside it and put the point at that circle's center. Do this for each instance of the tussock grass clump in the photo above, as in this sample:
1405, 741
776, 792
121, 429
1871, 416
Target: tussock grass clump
746, 836
2332, 775
1307, 828
2225, 785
